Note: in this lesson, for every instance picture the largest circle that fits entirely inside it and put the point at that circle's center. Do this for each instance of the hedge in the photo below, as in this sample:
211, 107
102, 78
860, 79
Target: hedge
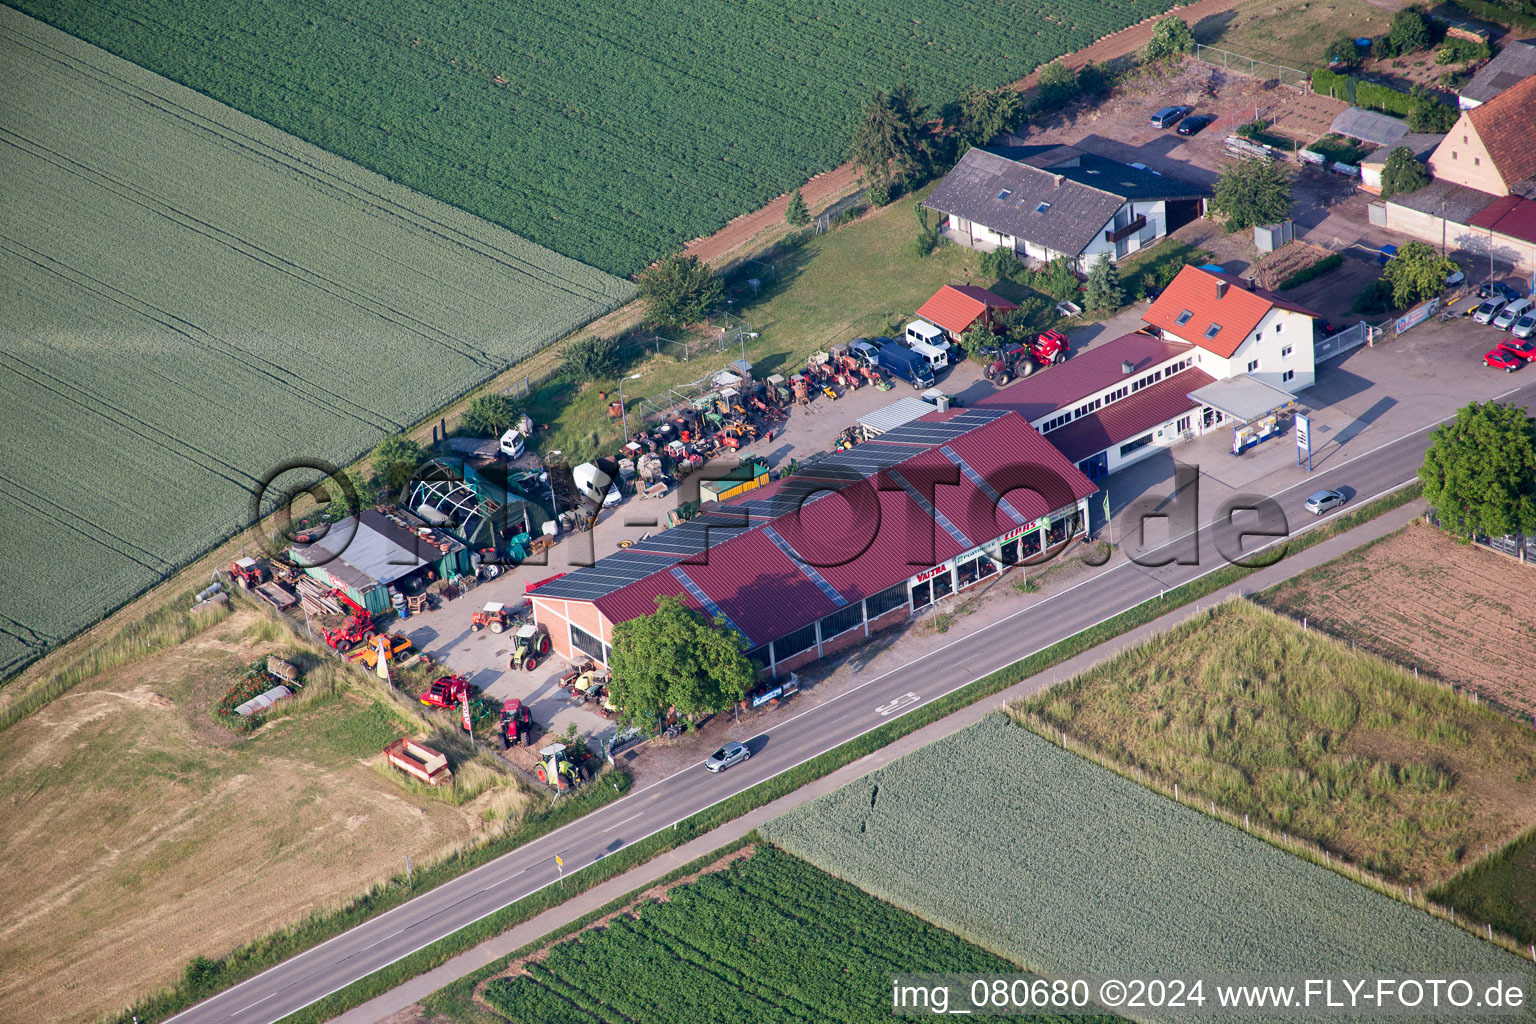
1317, 269
1497, 13
1382, 97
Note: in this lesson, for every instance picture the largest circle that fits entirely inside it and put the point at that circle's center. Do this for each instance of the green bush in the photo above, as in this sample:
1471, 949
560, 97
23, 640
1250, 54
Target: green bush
1317, 269
1375, 298
1333, 84
1513, 13
1459, 51
1373, 96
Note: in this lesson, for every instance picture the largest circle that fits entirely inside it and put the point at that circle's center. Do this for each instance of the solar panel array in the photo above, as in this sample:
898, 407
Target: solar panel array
609, 574
693, 537
866, 460
929, 434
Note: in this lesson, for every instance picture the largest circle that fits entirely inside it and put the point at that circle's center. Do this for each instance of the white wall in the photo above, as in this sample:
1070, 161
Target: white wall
1156, 226
1158, 370
1280, 329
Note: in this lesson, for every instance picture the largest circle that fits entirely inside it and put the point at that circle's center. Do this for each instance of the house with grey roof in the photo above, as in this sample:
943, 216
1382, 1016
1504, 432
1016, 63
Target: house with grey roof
1043, 202
1515, 62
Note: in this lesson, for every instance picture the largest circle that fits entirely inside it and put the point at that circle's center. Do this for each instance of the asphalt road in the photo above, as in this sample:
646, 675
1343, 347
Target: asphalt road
311, 975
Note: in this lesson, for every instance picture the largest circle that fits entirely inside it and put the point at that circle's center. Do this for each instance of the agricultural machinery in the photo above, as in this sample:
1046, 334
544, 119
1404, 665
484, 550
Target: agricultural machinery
516, 724
447, 692
395, 646
529, 646
495, 616
1019, 361
249, 573
558, 770
358, 628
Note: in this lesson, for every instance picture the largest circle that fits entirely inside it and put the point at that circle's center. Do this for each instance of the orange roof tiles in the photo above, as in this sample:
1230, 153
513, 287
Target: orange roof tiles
956, 306
1212, 300
1504, 124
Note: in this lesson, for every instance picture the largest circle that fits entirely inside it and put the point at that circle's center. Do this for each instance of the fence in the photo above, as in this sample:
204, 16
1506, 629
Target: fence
1519, 546
1263, 69
1346, 340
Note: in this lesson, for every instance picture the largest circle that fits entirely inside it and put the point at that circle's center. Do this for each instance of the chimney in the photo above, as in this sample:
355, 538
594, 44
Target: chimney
1221, 289
1127, 367
1058, 178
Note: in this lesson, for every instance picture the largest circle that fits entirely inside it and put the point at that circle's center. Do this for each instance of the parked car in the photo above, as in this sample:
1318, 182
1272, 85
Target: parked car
1525, 326
731, 753
1194, 125
881, 341
863, 351
1485, 313
1512, 312
1167, 117
1511, 355
1454, 278
1322, 501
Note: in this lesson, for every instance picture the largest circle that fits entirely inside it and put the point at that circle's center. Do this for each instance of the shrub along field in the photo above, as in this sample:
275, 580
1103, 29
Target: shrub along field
138, 832
1240, 706
612, 133
1066, 868
768, 939
194, 299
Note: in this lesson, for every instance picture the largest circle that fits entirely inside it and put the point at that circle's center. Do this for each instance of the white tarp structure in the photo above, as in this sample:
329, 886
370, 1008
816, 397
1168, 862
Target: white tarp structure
262, 701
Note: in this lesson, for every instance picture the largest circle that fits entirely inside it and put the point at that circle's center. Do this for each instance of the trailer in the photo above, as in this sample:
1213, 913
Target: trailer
748, 476
419, 761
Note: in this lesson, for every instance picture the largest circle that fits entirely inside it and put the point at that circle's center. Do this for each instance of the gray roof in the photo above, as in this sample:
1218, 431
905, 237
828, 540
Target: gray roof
1369, 126
1515, 62
1244, 398
1461, 203
1077, 211
898, 413
1418, 143
375, 552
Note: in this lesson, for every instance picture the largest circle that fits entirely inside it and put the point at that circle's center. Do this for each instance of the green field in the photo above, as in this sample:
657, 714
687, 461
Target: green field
1066, 868
1243, 707
1499, 890
616, 131
769, 939
192, 299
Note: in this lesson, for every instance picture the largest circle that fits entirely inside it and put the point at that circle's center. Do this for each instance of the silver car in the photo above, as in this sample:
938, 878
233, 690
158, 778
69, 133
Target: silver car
1525, 326
1512, 312
731, 753
1319, 502
1490, 309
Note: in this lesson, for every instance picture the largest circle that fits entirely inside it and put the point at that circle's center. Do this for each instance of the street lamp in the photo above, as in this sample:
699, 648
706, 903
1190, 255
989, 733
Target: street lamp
624, 413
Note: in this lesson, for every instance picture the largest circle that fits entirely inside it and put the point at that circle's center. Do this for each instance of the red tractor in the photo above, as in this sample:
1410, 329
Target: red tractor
357, 629
249, 573
447, 692
516, 724
1017, 361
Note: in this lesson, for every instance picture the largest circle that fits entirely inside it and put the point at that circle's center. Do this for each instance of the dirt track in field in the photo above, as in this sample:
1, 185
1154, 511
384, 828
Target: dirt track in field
1459, 612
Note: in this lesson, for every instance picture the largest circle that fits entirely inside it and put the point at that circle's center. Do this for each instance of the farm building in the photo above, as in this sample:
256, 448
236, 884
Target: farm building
1043, 202
1514, 63
1373, 163
1489, 148
955, 307
365, 557
1369, 126
854, 542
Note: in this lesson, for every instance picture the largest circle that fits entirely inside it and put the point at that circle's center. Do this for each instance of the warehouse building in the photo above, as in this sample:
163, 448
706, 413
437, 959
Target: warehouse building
854, 542
367, 556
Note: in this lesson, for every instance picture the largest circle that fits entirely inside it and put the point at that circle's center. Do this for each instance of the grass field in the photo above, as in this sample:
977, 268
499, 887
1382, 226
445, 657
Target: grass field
1242, 707
138, 832
1293, 32
1420, 599
1500, 890
613, 133
195, 299
1063, 867
768, 938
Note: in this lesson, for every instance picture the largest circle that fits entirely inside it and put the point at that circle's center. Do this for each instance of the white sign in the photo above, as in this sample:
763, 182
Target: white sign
1303, 433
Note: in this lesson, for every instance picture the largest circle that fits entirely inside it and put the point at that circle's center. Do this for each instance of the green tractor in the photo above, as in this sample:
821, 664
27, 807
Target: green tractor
558, 770
529, 645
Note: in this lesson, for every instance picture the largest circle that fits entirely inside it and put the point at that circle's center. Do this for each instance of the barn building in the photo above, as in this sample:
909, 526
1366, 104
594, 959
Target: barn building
854, 542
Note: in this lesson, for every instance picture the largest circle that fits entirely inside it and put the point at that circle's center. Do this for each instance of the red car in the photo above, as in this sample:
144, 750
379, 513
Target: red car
1511, 355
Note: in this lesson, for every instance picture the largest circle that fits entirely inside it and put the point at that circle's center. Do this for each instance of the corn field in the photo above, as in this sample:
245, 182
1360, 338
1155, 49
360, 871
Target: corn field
1067, 869
769, 939
193, 299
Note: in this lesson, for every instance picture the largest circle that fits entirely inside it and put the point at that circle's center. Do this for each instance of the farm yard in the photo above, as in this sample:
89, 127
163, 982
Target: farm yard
1240, 706
195, 299
768, 938
612, 133
139, 831
1422, 600
1065, 868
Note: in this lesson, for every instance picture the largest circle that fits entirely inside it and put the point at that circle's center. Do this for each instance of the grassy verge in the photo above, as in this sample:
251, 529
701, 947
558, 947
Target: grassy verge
1152, 272
705, 821
1499, 890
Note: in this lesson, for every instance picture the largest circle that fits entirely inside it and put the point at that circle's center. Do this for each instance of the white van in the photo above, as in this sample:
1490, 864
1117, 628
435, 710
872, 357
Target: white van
936, 358
924, 332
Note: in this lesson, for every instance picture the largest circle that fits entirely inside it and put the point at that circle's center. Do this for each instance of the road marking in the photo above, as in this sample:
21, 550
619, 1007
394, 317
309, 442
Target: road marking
897, 704
616, 824
256, 1003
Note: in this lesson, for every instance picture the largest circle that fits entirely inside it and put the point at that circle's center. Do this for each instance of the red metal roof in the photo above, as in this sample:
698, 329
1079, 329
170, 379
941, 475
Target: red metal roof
1237, 308
956, 306
1508, 215
1120, 421
1085, 373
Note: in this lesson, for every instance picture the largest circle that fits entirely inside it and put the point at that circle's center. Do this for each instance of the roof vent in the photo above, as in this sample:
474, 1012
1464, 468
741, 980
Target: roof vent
1127, 367
1221, 289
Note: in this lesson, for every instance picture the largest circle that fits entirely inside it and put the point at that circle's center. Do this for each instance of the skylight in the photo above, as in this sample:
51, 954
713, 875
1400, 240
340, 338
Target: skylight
1184, 317
1213, 330
1042, 207
1004, 194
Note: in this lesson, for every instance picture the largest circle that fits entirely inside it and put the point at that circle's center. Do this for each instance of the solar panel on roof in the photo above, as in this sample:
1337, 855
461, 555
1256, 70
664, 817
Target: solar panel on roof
919, 432
869, 459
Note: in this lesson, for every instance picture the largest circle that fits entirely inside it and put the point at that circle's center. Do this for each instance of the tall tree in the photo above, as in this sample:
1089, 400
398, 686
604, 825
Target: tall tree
395, 460
490, 415
1170, 37
980, 115
1480, 471
678, 291
592, 357
888, 143
1057, 84
1252, 191
1402, 173
1416, 272
673, 658
1103, 292
797, 213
